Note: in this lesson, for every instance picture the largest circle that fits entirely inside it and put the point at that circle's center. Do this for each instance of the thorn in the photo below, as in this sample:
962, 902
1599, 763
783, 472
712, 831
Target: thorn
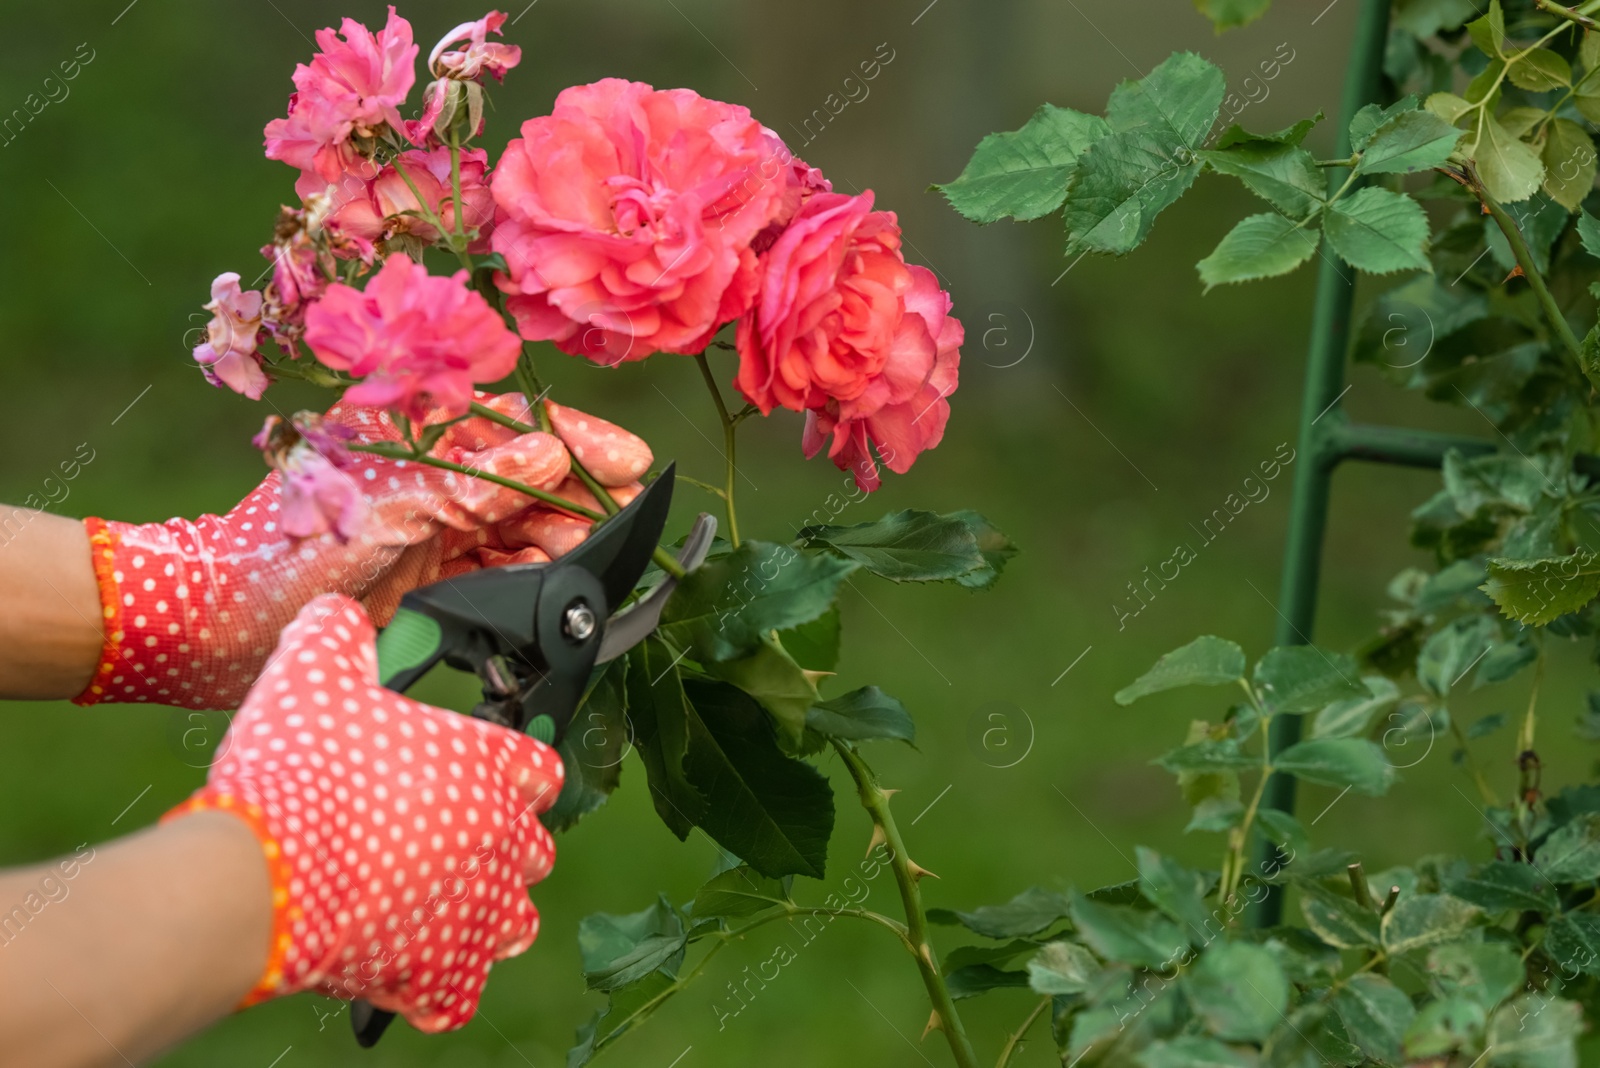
934, 1024
878, 838
888, 793
1516, 272
917, 870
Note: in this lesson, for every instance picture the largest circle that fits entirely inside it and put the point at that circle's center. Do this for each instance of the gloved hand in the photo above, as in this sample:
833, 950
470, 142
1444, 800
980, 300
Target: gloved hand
401, 838
192, 608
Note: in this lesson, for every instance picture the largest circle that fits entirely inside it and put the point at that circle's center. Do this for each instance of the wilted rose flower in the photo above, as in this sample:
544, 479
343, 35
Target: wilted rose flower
416, 341
352, 88
228, 356
626, 217
845, 330
480, 57
374, 212
309, 454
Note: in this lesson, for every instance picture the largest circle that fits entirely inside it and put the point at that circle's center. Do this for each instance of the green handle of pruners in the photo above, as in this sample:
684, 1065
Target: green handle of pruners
411, 640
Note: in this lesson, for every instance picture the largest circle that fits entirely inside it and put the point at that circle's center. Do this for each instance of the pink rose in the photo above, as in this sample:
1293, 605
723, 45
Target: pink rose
417, 341
299, 276
901, 429
228, 355
626, 218
845, 330
480, 56
352, 88
372, 211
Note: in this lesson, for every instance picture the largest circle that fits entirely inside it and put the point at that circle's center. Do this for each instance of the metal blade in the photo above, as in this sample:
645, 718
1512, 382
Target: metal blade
619, 550
636, 624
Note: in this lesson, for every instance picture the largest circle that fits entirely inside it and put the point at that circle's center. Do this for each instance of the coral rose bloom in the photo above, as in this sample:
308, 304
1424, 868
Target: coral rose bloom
846, 330
626, 218
418, 342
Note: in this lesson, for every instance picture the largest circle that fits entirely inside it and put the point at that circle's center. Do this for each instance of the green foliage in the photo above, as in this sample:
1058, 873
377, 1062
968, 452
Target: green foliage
1205, 661
919, 547
1024, 174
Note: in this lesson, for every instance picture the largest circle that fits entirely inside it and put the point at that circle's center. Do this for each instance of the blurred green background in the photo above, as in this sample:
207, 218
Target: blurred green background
1101, 413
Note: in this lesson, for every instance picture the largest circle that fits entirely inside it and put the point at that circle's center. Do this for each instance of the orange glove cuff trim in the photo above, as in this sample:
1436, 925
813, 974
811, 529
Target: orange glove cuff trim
278, 871
102, 553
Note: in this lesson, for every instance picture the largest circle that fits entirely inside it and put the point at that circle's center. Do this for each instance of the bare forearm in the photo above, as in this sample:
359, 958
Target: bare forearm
50, 631
123, 949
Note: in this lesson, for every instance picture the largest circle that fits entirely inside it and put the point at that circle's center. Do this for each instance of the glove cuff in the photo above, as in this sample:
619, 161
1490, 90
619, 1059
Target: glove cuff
284, 912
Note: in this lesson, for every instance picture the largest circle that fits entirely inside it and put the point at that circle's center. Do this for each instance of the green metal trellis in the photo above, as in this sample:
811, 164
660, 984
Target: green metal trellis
1327, 437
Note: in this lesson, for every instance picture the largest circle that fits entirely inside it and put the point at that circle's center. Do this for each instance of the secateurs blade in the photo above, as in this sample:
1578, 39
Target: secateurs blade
533, 633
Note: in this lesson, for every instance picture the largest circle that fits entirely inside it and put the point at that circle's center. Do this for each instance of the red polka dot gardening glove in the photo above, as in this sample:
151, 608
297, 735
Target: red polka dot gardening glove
191, 608
401, 838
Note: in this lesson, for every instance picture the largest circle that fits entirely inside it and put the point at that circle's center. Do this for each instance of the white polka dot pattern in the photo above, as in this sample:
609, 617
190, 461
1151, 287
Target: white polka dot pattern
192, 608
402, 838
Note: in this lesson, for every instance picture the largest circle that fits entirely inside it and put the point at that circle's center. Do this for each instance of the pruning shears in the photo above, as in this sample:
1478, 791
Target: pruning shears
533, 633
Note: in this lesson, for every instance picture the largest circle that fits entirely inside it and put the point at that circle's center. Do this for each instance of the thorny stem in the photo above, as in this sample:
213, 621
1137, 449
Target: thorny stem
729, 439
1485, 791
1014, 1040
1530, 720
1233, 863
1530, 271
1570, 14
876, 802
724, 937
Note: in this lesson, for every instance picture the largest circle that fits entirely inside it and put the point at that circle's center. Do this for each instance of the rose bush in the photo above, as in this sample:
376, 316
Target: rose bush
628, 222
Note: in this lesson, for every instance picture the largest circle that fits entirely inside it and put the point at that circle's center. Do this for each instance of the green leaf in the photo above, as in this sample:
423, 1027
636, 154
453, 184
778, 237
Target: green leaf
1282, 829
1206, 661
1540, 70
1223, 755
999, 956
1352, 716
1535, 1031
1375, 1014
593, 749
1510, 169
1353, 762
736, 893
1128, 936
906, 546
1489, 32
1176, 891
1023, 174
785, 689
1194, 1051
1486, 726
618, 950
1303, 678
661, 717
1261, 246
1239, 991
1411, 141
1424, 18
1486, 972
815, 645
1535, 592
863, 715
1337, 920
1289, 135
1573, 942
1178, 100
1419, 920
773, 812
723, 609
997, 550
1216, 814
1589, 232
1569, 163
1572, 852
1062, 967
975, 979
625, 1009
1501, 885
1372, 116
1443, 1027
1028, 913
1286, 176
1451, 651
1379, 231
1226, 14
1119, 187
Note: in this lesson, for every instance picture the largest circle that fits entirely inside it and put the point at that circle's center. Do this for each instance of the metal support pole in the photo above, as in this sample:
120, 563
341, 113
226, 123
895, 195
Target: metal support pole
1330, 328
